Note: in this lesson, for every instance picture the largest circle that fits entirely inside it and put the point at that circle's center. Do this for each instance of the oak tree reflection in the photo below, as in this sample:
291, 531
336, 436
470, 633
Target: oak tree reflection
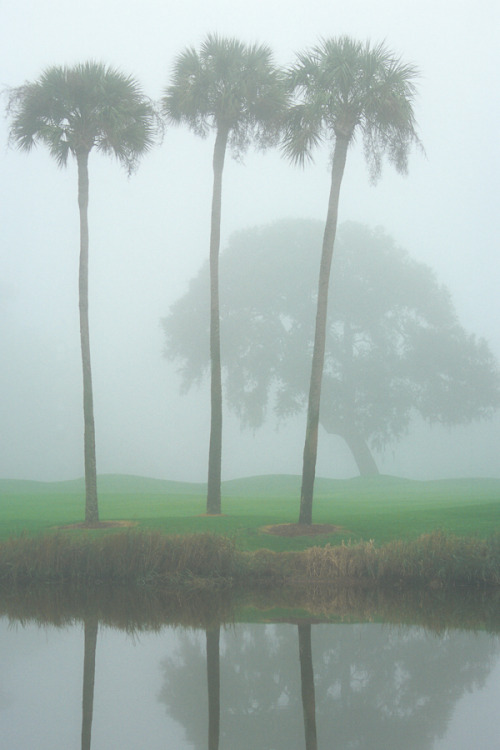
373, 686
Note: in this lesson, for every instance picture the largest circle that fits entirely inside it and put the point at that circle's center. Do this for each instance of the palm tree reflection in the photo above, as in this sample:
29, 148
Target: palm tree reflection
307, 686
213, 681
91, 626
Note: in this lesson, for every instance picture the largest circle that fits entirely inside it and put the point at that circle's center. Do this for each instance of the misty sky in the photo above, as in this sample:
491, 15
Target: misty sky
149, 234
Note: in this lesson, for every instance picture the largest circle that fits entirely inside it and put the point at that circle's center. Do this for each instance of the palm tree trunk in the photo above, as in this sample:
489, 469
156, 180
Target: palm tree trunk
215, 449
311, 441
91, 504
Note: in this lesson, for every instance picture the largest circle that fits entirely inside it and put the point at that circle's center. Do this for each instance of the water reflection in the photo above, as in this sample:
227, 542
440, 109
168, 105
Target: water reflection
307, 686
278, 685
90, 643
367, 686
213, 684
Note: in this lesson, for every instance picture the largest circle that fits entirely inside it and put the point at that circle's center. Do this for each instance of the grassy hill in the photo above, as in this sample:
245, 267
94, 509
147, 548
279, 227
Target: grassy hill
380, 508
266, 485
114, 483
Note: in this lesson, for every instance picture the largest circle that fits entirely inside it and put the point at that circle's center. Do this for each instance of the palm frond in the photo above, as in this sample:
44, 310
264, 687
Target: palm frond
302, 132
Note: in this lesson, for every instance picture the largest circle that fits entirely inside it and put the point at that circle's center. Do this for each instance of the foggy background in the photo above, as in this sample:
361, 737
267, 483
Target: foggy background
149, 234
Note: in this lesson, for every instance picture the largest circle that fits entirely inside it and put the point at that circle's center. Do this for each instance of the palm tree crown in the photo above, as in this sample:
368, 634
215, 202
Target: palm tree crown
343, 86
72, 110
227, 86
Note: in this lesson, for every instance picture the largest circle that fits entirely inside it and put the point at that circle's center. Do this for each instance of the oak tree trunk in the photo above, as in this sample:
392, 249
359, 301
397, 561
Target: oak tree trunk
361, 454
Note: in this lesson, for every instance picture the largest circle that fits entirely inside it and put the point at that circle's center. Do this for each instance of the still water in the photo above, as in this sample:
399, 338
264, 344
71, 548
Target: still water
270, 686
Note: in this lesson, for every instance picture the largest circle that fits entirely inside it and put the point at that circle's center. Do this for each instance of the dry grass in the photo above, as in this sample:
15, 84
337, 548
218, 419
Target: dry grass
208, 561
128, 558
436, 560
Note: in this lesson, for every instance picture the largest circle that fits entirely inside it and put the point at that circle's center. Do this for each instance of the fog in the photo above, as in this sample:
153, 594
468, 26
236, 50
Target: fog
149, 233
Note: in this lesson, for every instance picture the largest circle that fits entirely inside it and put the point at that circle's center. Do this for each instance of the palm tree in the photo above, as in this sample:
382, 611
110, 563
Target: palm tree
343, 88
71, 111
235, 90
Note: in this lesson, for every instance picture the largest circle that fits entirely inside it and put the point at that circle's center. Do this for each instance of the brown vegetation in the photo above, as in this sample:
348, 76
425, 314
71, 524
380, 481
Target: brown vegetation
207, 561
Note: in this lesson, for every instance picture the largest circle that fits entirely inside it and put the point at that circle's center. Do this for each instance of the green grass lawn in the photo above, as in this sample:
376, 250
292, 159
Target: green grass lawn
379, 508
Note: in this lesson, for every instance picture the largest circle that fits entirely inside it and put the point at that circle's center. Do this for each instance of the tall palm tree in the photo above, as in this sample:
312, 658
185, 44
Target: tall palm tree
71, 111
342, 88
235, 90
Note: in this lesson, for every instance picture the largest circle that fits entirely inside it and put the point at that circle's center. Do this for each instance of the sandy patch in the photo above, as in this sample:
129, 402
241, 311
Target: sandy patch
298, 529
99, 525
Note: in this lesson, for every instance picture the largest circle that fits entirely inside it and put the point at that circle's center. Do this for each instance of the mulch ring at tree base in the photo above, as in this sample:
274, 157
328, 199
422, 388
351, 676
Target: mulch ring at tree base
302, 529
99, 525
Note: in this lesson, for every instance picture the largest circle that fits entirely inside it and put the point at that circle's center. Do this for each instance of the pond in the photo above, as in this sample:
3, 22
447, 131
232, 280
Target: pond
276, 685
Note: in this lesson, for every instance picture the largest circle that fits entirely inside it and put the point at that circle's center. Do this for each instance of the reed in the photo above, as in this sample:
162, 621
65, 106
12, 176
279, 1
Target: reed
208, 561
130, 558
436, 560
